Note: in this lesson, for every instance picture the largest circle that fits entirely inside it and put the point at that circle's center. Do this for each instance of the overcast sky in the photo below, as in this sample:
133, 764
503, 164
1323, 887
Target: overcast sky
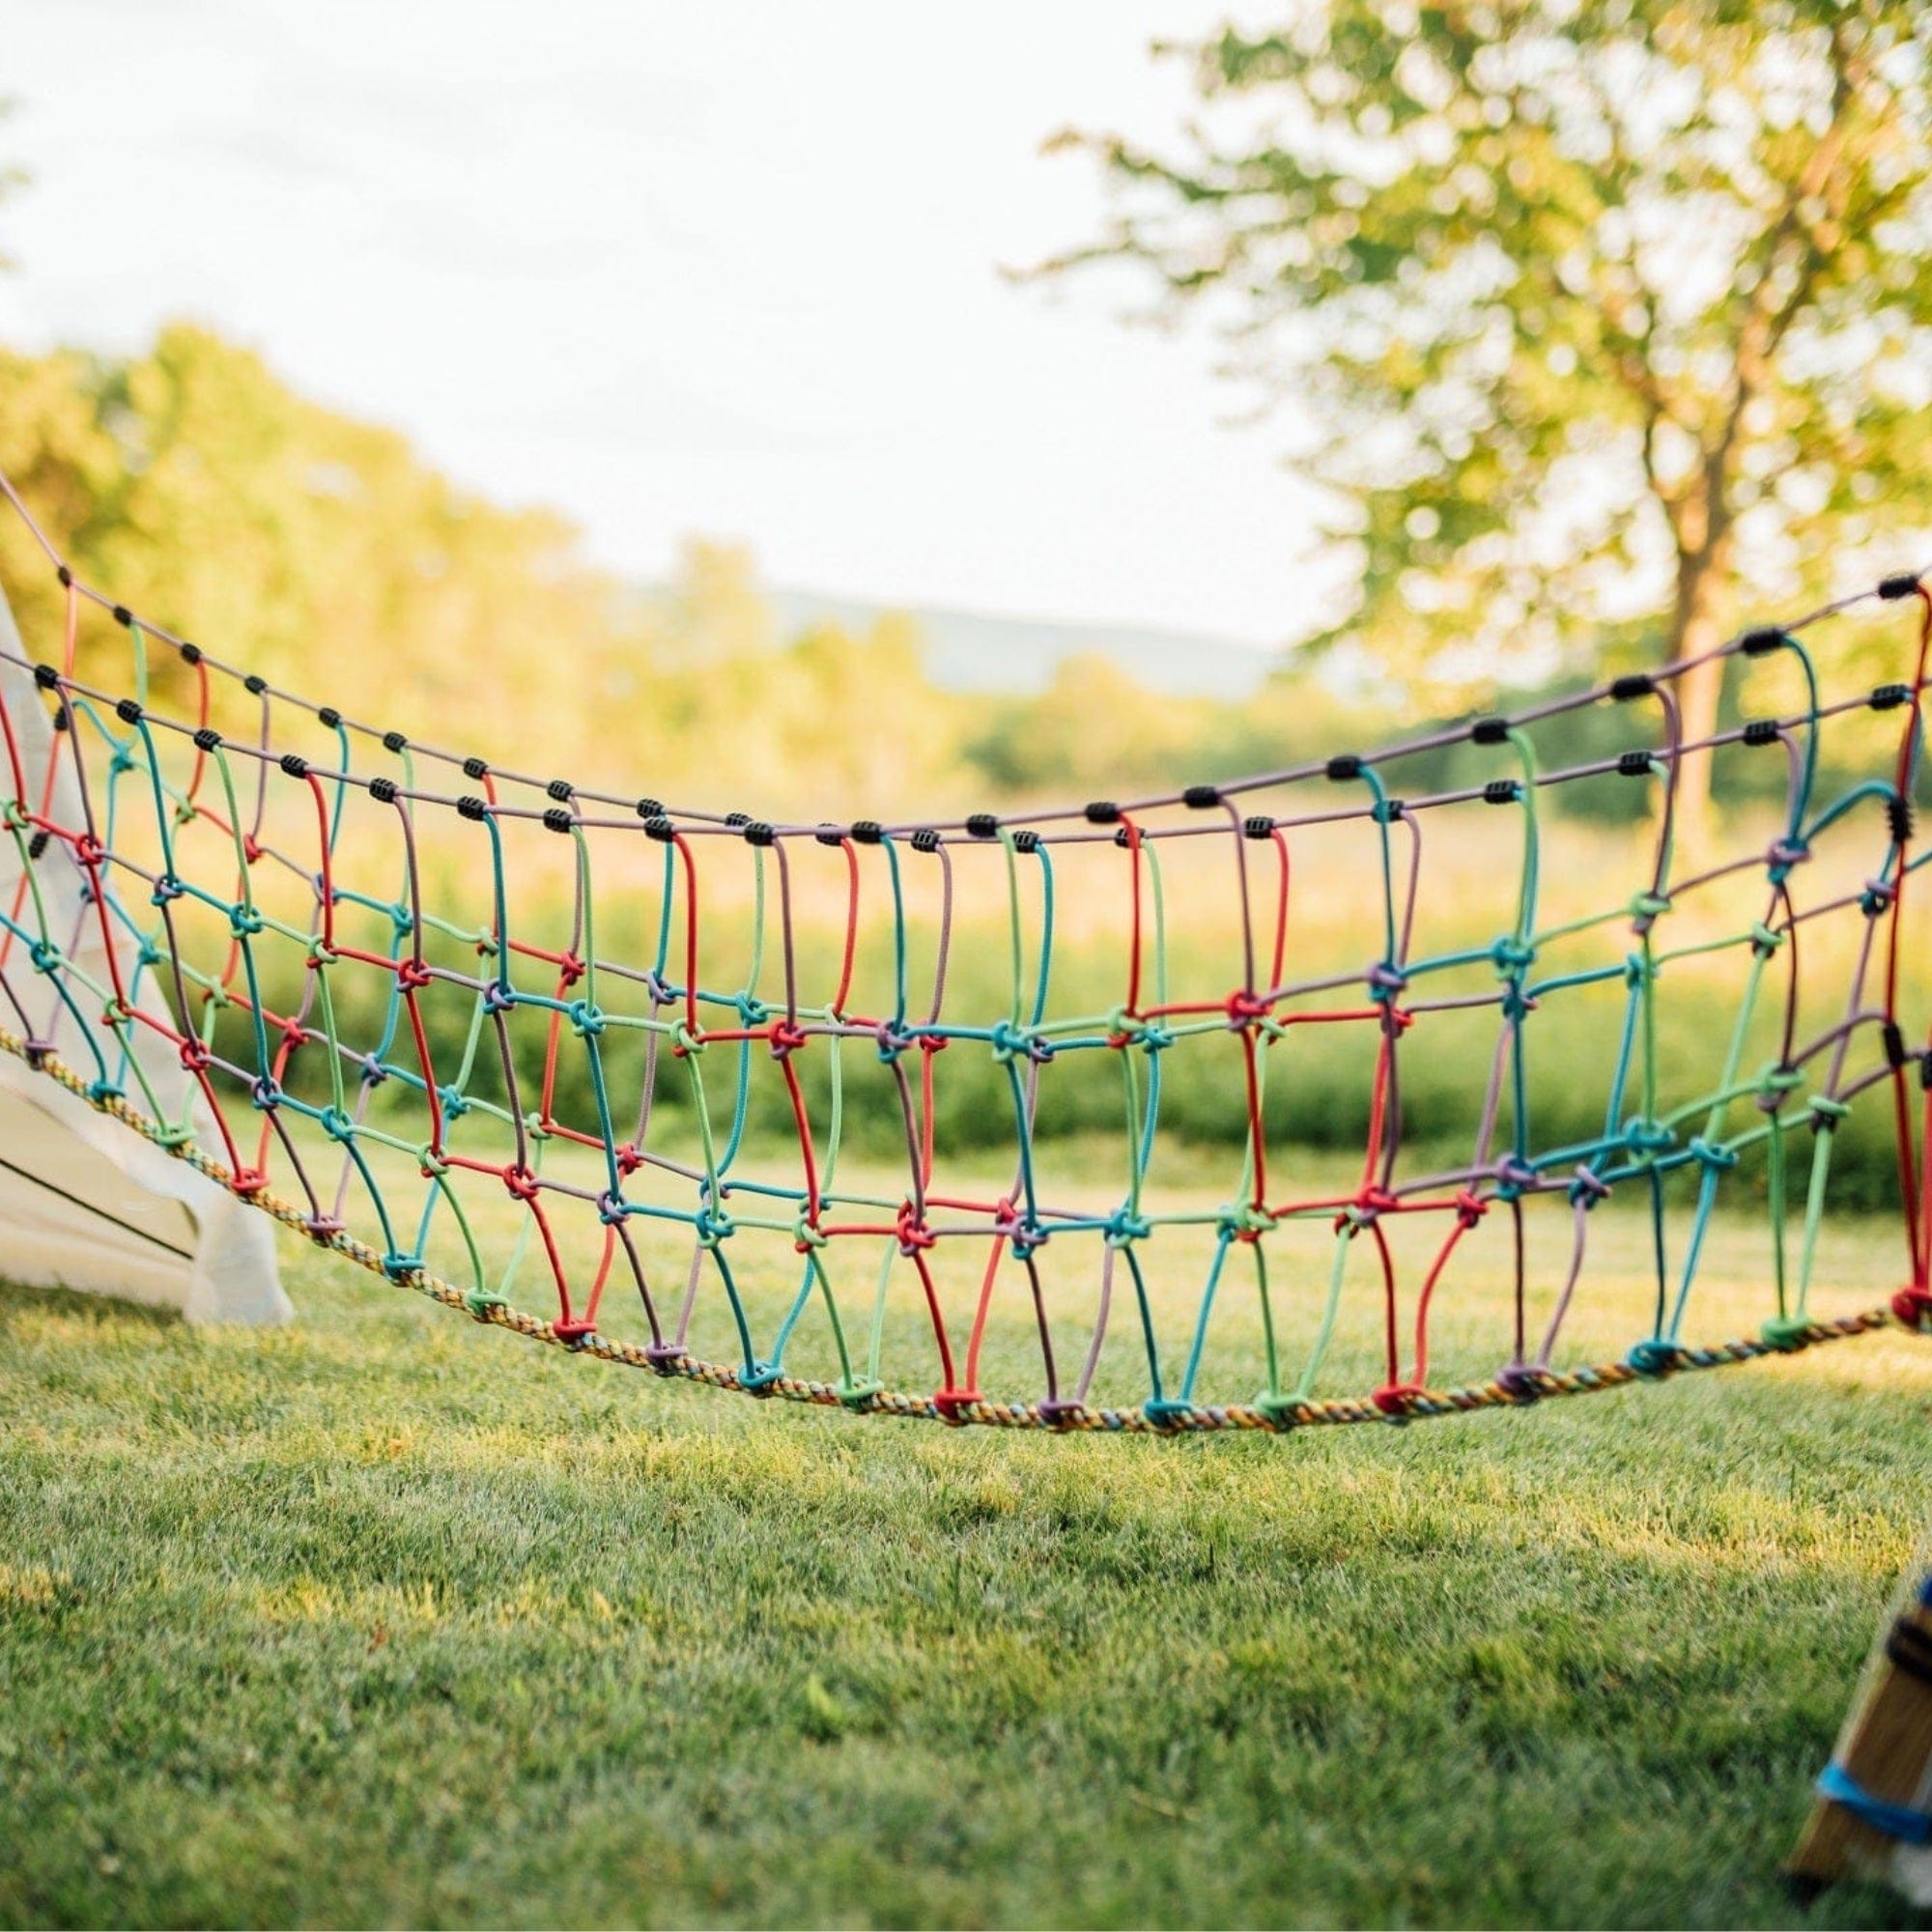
725, 270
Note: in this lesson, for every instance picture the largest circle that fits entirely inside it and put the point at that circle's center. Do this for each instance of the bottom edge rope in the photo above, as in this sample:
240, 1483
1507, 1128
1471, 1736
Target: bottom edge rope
1523, 1389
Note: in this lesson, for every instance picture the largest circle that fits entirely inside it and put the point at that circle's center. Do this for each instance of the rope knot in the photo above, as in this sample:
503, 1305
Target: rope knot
14, 815
1398, 1401
371, 1071
629, 1158
1912, 1306
1010, 1042
1713, 1156
586, 1021
430, 1161
1786, 1333
1248, 1222
806, 1234
1764, 941
610, 1208
951, 1404
1021, 1229
659, 989
1123, 1226
1469, 1208
787, 1036
521, 1183
244, 922
1825, 1112
1243, 1007
1648, 1137
911, 1230
167, 888
88, 851
1773, 1083
1655, 1359
569, 971
498, 997
1371, 1201
684, 1041
1587, 1188
1514, 1176
1877, 897
412, 974
1523, 1385
1385, 980
44, 955
195, 1056
751, 1010
1783, 855
1646, 908
1512, 955
892, 1040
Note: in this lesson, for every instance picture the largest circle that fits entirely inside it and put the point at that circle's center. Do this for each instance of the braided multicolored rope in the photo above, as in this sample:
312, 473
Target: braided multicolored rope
176, 948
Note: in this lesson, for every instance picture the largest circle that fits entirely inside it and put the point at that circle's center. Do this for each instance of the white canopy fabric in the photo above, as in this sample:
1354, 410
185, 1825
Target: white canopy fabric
1912, 1871
85, 1202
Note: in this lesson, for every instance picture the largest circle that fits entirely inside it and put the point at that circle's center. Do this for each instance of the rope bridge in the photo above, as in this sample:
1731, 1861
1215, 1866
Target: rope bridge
384, 1076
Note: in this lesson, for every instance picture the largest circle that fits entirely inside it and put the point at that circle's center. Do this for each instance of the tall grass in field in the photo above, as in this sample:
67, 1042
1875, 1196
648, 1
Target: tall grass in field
1319, 1077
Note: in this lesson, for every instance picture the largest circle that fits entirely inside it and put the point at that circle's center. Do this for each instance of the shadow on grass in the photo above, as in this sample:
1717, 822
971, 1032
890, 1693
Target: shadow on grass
70, 1305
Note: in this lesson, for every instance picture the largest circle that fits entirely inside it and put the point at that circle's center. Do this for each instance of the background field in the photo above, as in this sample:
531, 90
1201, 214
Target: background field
390, 1618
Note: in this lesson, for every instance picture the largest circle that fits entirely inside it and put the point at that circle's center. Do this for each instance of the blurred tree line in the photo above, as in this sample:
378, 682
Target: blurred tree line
198, 488
194, 485
202, 491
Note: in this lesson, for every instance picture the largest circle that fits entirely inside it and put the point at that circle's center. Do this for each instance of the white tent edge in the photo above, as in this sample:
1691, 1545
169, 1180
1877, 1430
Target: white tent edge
86, 1202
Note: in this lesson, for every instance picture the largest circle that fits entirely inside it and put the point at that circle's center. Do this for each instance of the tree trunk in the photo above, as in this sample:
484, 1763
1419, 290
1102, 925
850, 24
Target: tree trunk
1696, 628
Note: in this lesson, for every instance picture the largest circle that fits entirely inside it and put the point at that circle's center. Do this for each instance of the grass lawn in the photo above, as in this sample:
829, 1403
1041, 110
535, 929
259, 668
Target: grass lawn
388, 1617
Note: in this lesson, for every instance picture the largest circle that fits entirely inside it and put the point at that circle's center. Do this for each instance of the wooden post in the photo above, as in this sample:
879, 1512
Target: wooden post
1884, 1749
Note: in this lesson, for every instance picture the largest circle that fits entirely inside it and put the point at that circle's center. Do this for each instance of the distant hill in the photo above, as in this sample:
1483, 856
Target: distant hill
966, 650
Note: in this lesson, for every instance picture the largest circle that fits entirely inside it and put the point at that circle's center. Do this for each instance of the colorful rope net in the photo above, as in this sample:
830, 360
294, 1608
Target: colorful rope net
364, 984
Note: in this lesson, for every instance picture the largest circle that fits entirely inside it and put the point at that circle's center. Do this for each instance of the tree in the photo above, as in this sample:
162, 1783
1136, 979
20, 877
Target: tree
1582, 306
323, 552
320, 549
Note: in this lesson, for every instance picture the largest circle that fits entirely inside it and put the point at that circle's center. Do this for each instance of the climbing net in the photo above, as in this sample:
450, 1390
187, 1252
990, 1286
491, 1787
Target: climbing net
366, 983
